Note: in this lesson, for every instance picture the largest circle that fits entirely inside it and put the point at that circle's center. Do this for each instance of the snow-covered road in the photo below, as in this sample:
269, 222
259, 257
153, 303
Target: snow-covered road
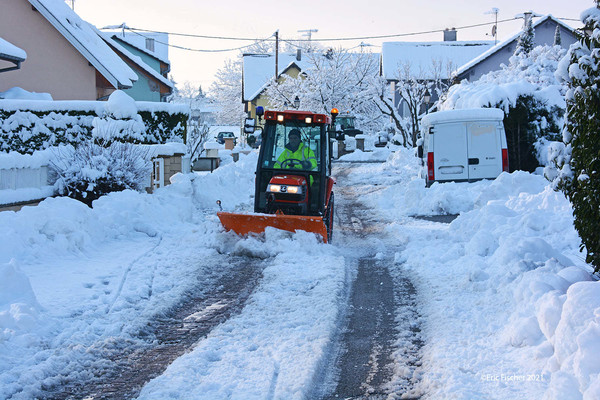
502, 305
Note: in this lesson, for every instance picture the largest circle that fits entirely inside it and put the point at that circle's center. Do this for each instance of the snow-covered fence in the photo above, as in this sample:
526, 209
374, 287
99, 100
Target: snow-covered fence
24, 177
19, 178
27, 126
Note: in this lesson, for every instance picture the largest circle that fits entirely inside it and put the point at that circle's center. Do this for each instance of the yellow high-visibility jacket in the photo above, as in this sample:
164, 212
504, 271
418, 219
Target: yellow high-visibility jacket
303, 153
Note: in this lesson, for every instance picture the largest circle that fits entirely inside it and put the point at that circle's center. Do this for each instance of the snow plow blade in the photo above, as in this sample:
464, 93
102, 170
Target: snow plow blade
243, 224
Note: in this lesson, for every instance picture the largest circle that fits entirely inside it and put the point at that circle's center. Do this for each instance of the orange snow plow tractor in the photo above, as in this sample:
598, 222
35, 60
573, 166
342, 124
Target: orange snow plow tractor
293, 186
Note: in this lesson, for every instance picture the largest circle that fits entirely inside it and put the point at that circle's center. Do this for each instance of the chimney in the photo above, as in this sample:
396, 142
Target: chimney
450, 35
526, 17
299, 55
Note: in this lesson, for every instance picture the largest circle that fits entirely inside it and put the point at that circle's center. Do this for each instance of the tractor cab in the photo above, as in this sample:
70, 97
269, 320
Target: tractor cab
292, 174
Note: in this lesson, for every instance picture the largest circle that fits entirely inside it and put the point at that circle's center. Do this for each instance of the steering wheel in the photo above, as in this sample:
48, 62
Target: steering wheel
291, 163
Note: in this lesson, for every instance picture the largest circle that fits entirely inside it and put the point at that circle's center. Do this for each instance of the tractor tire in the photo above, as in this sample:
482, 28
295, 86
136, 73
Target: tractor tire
329, 218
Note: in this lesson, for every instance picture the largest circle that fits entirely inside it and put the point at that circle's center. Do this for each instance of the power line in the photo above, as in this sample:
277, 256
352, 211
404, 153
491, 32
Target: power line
133, 30
320, 40
193, 35
270, 38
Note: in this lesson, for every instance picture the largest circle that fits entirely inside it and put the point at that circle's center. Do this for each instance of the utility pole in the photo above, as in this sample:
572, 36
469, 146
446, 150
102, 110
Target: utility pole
276, 54
73, 4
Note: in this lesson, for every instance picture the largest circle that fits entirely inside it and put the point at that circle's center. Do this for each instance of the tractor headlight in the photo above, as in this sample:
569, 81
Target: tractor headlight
291, 189
274, 188
294, 189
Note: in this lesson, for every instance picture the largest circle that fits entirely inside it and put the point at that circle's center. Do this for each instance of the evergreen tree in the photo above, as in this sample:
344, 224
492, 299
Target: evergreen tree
525, 42
557, 38
580, 176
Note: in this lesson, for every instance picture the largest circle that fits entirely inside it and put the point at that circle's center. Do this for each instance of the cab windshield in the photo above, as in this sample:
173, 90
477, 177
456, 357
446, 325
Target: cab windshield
346, 122
283, 151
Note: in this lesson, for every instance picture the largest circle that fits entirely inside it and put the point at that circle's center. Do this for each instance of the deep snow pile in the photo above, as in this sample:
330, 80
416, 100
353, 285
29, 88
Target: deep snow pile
509, 305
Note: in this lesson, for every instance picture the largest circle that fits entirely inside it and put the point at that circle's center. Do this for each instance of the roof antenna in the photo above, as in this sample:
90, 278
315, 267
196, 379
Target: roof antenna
494, 11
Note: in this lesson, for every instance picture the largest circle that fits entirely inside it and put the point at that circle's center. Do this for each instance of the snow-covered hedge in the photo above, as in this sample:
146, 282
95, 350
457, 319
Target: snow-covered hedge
580, 174
27, 126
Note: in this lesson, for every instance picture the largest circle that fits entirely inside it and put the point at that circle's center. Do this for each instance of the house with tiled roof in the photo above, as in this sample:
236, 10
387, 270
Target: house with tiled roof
11, 56
491, 60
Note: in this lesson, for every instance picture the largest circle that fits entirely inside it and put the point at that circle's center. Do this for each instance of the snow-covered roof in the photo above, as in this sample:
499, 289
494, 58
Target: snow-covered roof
502, 45
108, 38
137, 40
259, 70
84, 37
472, 114
9, 51
420, 56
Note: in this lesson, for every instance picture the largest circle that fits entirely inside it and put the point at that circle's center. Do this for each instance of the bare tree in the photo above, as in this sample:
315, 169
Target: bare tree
334, 78
412, 85
226, 92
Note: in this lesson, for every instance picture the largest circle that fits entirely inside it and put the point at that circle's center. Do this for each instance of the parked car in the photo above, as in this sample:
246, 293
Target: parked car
463, 145
222, 135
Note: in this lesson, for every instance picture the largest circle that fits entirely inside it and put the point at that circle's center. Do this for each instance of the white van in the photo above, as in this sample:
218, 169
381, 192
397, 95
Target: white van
463, 145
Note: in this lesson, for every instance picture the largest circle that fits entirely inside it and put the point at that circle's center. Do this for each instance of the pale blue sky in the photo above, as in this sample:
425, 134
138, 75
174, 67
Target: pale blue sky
350, 18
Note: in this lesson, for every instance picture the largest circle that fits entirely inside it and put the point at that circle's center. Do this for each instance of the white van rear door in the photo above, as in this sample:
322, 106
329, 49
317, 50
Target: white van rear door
485, 154
450, 152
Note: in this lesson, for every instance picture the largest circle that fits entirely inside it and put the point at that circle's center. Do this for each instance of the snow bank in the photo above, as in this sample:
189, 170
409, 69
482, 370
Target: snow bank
508, 303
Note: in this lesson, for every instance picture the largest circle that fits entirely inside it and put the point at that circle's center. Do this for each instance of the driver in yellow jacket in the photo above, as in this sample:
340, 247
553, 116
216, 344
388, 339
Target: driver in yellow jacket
296, 155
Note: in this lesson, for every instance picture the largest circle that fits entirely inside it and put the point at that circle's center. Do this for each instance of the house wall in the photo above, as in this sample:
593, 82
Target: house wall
53, 65
144, 89
544, 34
152, 62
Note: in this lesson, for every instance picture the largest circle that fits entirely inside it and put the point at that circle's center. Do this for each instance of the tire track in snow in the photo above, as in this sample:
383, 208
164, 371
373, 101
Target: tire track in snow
381, 334
168, 336
148, 253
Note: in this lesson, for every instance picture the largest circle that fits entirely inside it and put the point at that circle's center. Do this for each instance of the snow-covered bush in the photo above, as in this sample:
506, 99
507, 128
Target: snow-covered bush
580, 175
90, 171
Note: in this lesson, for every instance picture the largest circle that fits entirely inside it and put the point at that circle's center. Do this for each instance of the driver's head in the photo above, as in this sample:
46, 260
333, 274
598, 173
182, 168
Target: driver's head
294, 135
